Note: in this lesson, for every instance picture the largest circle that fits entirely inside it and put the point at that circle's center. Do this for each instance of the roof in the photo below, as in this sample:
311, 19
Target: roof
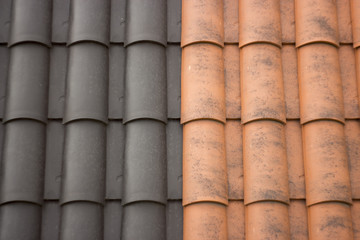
192, 119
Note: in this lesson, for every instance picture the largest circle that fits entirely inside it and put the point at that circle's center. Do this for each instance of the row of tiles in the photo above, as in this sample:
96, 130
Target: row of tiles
49, 20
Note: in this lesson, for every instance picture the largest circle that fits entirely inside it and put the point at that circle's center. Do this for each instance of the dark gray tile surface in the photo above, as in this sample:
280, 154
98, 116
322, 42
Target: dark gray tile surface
4, 63
112, 220
118, 21
50, 227
174, 220
174, 21
5, 19
60, 21
173, 74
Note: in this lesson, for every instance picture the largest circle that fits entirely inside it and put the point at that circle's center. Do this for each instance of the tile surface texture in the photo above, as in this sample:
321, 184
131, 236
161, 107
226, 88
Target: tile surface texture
179, 119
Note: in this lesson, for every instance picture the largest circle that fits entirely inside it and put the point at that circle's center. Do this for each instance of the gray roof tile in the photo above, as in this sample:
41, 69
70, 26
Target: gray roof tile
4, 63
5, 15
60, 21
50, 226
118, 21
174, 21
173, 70
112, 220
174, 220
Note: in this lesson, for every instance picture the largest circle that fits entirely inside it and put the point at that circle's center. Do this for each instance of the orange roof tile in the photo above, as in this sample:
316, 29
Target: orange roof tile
231, 26
344, 21
287, 11
236, 220
298, 220
355, 21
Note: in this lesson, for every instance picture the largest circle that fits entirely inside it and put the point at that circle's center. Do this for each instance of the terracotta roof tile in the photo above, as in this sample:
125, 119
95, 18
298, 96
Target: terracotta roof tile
287, 11
232, 81
355, 16
236, 220
344, 21
262, 91
326, 163
291, 84
231, 21
267, 220
265, 166
50, 226
205, 221
298, 220
234, 159
330, 221
316, 21
357, 62
259, 21
355, 212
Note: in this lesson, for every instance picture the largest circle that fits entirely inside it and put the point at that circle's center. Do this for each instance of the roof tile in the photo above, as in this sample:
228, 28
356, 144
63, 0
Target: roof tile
298, 220
145, 82
84, 162
145, 162
53, 159
174, 21
202, 21
50, 226
267, 220
348, 77
262, 90
205, 221
357, 65
236, 220
20, 221
146, 21
355, 212
115, 148
31, 21
144, 220
232, 81
204, 162
326, 163
352, 133
117, 21
295, 160
330, 221
231, 21
60, 21
116, 81
89, 21
202, 83
174, 141
320, 83
355, 20
259, 22
234, 160
4, 64
265, 165
174, 220
316, 21
287, 11
112, 220
27, 89
57, 80
173, 71
344, 21
87, 82
5, 16
81, 220
23, 162
291, 84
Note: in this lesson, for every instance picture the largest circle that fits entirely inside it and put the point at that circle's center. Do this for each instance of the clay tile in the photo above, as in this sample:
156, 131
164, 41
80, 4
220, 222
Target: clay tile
146, 21
202, 83
145, 162
83, 177
89, 21
174, 220
330, 221
202, 21
357, 64
295, 159
143, 220
204, 163
112, 220
262, 92
234, 153
87, 83
326, 162
145, 82
174, 22
348, 78
316, 21
355, 17
267, 220
31, 21
291, 83
355, 212
27, 85
320, 83
205, 221
265, 165
352, 133
23, 162
19, 220
173, 75
236, 220
60, 21
81, 220
298, 220
50, 220
117, 21
5, 16
231, 21
232, 81
259, 21
287, 11
344, 21
4, 65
